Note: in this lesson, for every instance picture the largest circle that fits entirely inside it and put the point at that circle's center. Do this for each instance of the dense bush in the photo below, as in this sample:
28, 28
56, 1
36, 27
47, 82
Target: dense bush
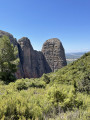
63, 99
21, 85
38, 103
46, 79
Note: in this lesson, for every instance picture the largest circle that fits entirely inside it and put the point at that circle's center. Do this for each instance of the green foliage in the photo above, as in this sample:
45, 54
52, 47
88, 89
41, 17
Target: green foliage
78, 71
46, 79
63, 99
38, 103
21, 85
55, 96
8, 60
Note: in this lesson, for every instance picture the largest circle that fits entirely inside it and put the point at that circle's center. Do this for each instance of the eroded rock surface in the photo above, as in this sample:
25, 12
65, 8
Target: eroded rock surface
54, 53
34, 63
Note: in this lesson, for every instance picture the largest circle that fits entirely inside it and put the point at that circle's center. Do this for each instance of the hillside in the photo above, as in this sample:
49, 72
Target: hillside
61, 95
78, 71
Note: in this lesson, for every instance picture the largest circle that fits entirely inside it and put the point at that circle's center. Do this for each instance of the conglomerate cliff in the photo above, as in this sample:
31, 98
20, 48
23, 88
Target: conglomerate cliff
54, 53
34, 63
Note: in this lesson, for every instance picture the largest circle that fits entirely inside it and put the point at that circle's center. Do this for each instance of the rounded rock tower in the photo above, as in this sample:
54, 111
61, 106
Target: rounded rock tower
54, 53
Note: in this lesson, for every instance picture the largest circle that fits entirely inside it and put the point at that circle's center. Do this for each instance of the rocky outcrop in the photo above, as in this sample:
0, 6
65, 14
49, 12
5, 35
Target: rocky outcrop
34, 63
54, 53
12, 39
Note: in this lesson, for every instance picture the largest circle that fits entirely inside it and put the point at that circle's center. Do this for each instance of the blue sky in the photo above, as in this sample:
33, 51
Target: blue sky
39, 20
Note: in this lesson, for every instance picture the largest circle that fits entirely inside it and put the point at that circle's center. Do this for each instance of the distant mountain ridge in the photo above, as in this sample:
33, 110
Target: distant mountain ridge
74, 55
70, 57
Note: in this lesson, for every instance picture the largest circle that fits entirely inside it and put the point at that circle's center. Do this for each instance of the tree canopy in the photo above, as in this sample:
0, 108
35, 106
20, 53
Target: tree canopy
8, 60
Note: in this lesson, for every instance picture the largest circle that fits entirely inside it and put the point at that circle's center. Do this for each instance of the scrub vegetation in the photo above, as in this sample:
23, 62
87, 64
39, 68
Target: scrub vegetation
62, 95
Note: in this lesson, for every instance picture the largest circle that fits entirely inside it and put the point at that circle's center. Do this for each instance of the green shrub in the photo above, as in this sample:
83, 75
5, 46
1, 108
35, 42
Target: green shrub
59, 98
46, 79
20, 85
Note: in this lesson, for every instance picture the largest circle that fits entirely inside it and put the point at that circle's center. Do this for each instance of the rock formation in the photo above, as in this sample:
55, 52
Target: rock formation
34, 63
54, 53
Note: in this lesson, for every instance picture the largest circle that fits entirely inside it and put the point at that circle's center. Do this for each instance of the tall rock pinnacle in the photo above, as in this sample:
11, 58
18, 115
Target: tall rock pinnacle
33, 62
54, 53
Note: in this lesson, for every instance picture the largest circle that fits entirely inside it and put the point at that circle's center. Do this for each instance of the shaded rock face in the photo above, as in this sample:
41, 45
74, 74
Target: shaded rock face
54, 54
12, 39
33, 62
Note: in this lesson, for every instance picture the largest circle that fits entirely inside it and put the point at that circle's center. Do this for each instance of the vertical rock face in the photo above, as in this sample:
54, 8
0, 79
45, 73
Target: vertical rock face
33, 62
54, 53
25, 50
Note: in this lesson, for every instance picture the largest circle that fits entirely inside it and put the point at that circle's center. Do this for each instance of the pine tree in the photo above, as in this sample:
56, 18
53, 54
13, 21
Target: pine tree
8, 60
